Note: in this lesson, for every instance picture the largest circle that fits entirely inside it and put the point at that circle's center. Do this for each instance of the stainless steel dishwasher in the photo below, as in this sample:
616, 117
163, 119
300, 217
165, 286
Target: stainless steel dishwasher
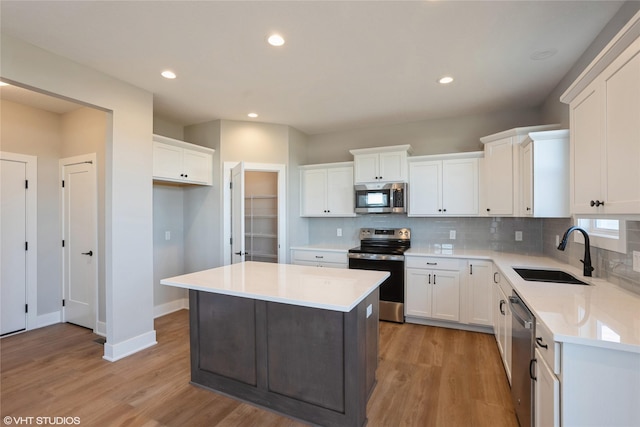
522, 360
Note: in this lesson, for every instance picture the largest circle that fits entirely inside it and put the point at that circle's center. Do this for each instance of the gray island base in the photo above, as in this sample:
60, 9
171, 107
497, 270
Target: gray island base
310, 364
297, 340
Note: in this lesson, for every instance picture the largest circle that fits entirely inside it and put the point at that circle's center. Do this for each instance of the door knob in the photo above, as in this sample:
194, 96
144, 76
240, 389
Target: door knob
90, 253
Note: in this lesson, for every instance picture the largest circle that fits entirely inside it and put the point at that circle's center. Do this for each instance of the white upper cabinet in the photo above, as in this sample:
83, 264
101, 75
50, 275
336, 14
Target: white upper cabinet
443, 185
179, 161
383, 164
327, 190
545, 174
604, 105
502, 170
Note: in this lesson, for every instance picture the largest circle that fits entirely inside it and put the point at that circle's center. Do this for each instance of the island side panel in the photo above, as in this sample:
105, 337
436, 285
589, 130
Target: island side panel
358, 367
226, 336
305, 354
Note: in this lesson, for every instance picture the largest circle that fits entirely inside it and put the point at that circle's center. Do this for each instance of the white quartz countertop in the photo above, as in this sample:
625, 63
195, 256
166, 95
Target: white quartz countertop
325, 288
601, 315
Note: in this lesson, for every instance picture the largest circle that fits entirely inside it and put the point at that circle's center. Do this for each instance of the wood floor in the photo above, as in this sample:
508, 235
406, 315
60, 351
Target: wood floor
427, 377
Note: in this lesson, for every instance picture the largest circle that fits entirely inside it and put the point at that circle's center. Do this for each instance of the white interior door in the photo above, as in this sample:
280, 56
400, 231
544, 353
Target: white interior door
13, 250
237, 214
80, 242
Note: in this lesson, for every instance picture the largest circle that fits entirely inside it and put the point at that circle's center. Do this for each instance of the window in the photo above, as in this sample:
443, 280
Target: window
605, 233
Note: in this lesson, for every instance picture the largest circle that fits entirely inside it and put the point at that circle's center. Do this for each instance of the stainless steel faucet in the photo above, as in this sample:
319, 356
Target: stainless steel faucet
586, 262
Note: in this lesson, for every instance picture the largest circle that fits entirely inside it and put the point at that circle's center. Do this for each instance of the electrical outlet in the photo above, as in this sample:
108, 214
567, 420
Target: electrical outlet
339, 232
557, 240
452, 234
369, 310
518, 236
167, 235
636, 261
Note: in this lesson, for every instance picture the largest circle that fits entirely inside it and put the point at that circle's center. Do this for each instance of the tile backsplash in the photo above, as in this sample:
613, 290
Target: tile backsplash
471, 233
538, 237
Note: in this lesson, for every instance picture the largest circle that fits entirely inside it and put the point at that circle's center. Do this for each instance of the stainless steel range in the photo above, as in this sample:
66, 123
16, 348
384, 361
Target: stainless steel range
383, 249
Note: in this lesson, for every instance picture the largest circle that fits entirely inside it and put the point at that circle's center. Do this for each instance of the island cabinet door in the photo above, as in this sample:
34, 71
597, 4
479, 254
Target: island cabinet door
312, 364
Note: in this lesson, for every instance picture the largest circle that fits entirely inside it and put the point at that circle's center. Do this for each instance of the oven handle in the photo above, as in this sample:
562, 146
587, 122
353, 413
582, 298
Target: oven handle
376, 257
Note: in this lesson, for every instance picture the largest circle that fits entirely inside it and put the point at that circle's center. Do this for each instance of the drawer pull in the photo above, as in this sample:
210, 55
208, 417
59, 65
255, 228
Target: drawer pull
319, 256
541, 343
432, 263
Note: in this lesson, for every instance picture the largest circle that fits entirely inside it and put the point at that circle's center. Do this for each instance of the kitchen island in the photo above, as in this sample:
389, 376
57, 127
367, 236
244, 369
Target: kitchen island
298, 340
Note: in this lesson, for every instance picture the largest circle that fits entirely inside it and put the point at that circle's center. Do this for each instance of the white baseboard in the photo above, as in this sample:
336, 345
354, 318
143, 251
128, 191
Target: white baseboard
49, 319
114, 352
170, 307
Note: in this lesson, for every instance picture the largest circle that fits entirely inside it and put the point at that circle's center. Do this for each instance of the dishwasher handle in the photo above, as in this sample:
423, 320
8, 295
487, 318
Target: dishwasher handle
521, 313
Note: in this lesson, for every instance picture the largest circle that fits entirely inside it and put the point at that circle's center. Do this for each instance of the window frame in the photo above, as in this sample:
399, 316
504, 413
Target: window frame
603, 238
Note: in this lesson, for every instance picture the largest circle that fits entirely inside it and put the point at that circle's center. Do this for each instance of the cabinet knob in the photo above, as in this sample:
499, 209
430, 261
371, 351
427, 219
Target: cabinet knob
439, 210
444, 210
596, 203
488, 210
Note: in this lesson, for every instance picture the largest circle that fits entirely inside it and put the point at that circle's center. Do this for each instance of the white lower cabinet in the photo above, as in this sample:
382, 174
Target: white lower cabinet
432, 288
479, 293
319, 258
502, 320
547, 395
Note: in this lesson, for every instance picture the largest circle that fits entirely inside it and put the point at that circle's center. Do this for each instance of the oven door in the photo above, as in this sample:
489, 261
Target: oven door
392, 289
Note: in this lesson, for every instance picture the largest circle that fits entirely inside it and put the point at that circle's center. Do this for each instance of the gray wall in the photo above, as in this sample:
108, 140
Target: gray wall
51, 137
437, 136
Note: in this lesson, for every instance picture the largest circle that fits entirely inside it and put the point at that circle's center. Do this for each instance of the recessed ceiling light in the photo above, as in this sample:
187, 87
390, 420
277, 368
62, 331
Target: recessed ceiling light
253, 115
168, 74
275, 40
445, 80
540, 55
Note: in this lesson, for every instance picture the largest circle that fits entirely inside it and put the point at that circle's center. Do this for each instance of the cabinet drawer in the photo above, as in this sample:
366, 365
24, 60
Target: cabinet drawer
320, 256
549, 349
432, 263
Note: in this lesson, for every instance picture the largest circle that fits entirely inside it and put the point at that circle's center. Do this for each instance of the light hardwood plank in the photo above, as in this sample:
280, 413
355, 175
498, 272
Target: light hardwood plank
427, 376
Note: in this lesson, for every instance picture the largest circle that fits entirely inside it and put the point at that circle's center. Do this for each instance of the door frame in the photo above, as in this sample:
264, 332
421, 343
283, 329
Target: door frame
68, 161
31, 163
280, 169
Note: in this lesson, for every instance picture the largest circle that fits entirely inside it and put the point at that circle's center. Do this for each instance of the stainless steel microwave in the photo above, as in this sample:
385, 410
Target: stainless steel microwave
381, 198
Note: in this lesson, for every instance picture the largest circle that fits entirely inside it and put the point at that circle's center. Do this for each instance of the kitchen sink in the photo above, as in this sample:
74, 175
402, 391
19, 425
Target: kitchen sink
554, 276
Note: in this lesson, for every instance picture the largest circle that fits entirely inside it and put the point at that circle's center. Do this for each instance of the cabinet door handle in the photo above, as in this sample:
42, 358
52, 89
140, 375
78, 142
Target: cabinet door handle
90, 253
470, 269
494, 277
596, 203
502, 302
434, 279
531, 373
541, 343
429, 282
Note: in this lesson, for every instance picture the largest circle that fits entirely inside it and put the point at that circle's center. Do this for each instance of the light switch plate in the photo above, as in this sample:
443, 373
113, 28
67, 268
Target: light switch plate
369, 310
518, 236
167, 235
452, 234
339, 232
636, 261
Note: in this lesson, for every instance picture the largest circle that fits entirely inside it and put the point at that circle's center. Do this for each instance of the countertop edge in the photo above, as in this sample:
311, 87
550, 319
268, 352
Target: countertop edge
505, 262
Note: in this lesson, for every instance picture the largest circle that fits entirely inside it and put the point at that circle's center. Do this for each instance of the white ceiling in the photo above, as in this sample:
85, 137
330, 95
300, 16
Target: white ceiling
345, 64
